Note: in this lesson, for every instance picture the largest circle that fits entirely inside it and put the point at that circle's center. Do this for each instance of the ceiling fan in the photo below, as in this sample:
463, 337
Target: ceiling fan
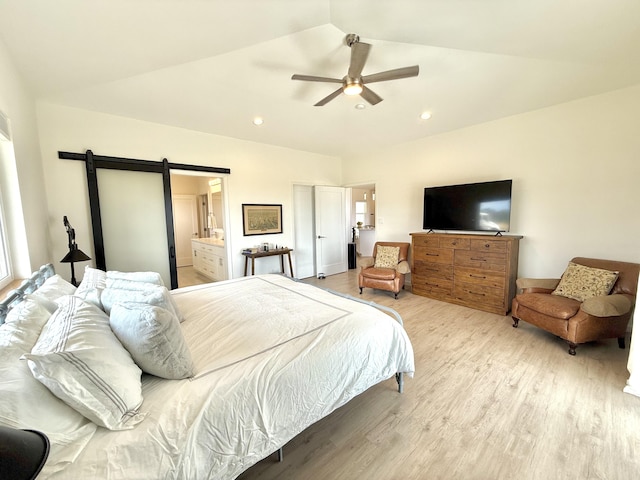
353, 83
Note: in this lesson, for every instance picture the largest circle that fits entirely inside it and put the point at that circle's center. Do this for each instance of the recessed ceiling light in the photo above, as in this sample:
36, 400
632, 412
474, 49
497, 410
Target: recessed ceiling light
258, 121
360, 106
425, 115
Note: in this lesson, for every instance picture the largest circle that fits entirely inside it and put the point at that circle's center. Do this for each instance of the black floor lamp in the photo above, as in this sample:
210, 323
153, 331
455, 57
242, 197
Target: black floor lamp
75, 254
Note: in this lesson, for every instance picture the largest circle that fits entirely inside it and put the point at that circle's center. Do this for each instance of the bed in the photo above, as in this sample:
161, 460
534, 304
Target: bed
270, 356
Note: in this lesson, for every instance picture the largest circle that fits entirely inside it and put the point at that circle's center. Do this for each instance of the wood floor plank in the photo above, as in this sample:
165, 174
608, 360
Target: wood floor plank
488, 401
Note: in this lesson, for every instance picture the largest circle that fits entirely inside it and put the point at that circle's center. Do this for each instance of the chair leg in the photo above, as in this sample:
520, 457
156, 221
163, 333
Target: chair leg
395, 295
621, 342
572, 348
360, 290
515, 322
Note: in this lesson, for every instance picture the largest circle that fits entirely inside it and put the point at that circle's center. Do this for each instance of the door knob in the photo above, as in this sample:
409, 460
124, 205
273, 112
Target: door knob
320, 236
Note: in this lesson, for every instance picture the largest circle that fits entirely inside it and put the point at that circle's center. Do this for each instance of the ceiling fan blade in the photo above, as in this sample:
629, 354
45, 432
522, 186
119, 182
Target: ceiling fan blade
328, 98
370, 96
359, 54
403, 72
312, 78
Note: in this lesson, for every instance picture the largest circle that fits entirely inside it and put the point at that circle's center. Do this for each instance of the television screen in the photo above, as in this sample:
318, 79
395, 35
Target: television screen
483, 207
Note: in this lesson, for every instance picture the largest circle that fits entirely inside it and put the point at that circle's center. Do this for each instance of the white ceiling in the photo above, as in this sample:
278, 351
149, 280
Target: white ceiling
212, 65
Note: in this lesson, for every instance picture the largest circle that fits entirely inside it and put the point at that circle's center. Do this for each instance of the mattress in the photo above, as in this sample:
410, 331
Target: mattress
272, 357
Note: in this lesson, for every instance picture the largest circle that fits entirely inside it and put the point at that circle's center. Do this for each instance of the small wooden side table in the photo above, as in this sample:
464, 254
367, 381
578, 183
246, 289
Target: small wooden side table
277, 251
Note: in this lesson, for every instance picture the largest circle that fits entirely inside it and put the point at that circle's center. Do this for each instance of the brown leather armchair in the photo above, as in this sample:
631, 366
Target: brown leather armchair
390, 279
578, 322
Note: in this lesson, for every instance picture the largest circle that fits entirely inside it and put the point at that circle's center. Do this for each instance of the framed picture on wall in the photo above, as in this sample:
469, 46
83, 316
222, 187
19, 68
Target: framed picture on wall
261, 219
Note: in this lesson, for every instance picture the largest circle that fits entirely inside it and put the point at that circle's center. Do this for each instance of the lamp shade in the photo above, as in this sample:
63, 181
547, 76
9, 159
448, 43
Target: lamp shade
22, 453
75, 255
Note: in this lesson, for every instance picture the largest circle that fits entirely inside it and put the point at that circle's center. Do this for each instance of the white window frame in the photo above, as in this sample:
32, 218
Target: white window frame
6, 275
6, 272
361, 212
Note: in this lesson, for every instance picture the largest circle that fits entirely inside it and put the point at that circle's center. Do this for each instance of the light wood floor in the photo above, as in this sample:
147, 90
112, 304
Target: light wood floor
488, 401
187, 276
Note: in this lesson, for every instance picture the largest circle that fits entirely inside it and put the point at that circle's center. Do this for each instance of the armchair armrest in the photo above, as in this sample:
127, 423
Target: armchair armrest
367, 262
403, 267
607, 305
537, 285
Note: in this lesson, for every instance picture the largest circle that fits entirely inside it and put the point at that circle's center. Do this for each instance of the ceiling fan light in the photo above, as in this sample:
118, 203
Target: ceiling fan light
352, 89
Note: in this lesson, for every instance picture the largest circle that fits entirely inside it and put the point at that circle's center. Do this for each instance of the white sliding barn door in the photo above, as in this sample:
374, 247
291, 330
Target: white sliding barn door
331, 230
133, 222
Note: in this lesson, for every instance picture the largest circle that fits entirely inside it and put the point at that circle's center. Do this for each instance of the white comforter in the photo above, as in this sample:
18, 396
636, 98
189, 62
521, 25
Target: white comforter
272, 357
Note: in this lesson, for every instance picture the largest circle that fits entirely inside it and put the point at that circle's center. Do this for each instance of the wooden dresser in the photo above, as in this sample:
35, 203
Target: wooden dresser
477, 271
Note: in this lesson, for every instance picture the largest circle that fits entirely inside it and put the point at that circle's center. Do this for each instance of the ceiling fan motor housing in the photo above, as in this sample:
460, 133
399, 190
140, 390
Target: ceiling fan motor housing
351, 38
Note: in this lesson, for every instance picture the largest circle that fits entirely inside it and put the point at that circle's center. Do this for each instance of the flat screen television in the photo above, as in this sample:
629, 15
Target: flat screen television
479, 207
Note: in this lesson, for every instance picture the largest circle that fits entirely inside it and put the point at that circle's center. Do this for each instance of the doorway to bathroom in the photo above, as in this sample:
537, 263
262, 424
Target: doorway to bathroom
199, 219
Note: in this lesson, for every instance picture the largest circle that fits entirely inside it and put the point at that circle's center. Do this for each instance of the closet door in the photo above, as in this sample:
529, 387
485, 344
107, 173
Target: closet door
331, 230
132, 206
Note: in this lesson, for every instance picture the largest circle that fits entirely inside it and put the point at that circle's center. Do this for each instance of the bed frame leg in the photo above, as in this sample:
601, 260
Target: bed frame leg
280, 455
400, 380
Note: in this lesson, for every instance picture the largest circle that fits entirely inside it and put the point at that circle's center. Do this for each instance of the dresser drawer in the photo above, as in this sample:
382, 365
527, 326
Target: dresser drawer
482, 245
433, 255
494, 261
480, 295
456, 243
421, 267
434, 285
476, 276
426, 241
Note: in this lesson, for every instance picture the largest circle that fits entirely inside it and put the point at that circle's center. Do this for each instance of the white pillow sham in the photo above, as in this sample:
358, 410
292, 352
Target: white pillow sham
92, 285
153, 337
79, 359
55, 287
26, 403
139, 292
147, 277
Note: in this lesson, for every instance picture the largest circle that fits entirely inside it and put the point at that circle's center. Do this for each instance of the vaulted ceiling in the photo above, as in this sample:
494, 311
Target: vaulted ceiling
214, 65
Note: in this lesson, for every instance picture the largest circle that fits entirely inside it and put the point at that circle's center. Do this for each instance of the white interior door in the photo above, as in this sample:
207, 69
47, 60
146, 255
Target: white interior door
185, 224
331, 230
304, 231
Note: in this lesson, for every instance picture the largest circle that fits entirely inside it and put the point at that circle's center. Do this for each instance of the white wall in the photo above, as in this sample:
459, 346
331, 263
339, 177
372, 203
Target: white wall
259, 173
22, 181
575, 169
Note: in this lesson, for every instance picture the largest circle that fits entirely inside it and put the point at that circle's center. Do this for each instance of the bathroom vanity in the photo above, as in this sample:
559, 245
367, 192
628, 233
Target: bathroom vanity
209, 258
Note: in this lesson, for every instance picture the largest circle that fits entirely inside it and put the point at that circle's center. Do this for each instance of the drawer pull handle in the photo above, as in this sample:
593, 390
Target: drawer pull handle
476, 293
478, 259
477, 276
487, 245
433, 254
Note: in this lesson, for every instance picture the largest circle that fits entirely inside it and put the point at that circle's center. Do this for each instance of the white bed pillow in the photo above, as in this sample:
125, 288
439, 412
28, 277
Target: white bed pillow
79, 359
147, 277
139, 292
92, 285
55, 287
26, 403
153, 337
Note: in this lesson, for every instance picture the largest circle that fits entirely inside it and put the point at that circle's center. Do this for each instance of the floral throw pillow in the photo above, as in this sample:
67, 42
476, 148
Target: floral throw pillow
580, 282
386, 257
